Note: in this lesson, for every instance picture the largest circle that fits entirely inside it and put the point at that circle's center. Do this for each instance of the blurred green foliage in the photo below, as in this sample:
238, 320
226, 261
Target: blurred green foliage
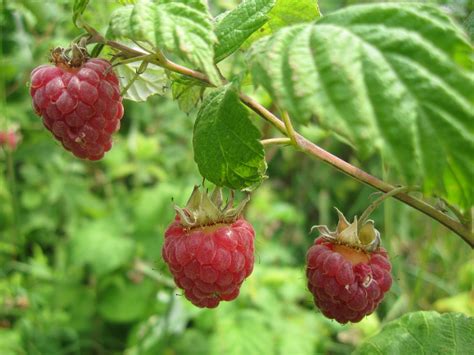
80, 243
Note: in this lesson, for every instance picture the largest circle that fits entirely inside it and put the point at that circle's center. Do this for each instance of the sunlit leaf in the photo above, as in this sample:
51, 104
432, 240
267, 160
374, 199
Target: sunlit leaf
183, 27
423, 333
237, 25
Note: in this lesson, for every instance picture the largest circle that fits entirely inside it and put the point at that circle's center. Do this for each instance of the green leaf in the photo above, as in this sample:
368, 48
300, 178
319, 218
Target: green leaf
246, 324
187, 95
391, 77
183, 27
237, 25
286, 13
423, 333
100, 245
10, 342
152, 81
462, 302
78, 9
123, 301
226, 143
293, 337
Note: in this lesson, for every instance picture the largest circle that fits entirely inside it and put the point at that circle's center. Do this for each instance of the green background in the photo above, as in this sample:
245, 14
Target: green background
80, 242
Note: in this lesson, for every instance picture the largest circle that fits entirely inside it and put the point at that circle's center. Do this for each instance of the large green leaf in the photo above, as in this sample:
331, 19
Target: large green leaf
152, 81
101, 246
243, 332
286, 13
226, 143
78, 9
120, 300
184, 27
237, 25
391, 77
423, 333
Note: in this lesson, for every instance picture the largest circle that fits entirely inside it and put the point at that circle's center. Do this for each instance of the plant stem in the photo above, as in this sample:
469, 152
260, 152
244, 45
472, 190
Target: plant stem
256, 107
301, 142
147, 270
289, 127
377, 202
270, 141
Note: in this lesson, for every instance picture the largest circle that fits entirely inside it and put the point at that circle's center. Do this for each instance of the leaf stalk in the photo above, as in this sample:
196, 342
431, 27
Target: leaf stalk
276, 141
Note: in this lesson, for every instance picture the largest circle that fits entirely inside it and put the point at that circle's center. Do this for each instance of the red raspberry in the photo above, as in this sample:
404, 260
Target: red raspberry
9, 139
81, 105
347, 282
209, 261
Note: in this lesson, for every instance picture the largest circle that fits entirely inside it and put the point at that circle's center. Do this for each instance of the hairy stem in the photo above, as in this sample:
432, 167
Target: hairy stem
301, 142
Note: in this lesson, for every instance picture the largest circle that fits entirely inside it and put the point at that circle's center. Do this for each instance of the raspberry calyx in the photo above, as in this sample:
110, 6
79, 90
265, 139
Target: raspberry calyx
348, 272
358, 234
202, 210
209, 248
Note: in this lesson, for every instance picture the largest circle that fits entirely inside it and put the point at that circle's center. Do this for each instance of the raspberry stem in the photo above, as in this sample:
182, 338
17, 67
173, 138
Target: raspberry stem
365, 215
302, 143
289, 127
270, 141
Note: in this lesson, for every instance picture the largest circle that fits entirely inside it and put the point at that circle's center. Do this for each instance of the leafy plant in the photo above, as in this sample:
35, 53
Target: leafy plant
370, 90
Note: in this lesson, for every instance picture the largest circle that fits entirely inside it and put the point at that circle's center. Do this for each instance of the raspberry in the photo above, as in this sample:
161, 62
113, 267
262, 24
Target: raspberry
209, 251
81, 105
9, 139
347, 279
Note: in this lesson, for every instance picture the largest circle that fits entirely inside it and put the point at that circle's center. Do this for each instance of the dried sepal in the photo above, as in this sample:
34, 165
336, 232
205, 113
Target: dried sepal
203, 209
364, 236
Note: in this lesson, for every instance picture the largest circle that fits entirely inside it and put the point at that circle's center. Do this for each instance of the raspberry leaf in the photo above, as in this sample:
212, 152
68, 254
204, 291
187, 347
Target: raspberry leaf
226, 143
187, 95
117, 301
286, 13
92, 243
423, 332
246, 324
152, 81
78, 9
237, 25
391, 77
183, 27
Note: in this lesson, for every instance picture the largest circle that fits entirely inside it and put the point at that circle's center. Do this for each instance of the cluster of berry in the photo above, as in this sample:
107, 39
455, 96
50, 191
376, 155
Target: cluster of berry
209, 248
210, 254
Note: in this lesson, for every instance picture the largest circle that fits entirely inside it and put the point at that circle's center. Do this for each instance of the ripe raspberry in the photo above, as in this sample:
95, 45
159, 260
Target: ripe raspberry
209, 250
9, 139
348, 278
80, 104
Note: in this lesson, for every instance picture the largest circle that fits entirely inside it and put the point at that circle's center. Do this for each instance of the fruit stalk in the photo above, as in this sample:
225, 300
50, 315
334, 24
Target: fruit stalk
302, 143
